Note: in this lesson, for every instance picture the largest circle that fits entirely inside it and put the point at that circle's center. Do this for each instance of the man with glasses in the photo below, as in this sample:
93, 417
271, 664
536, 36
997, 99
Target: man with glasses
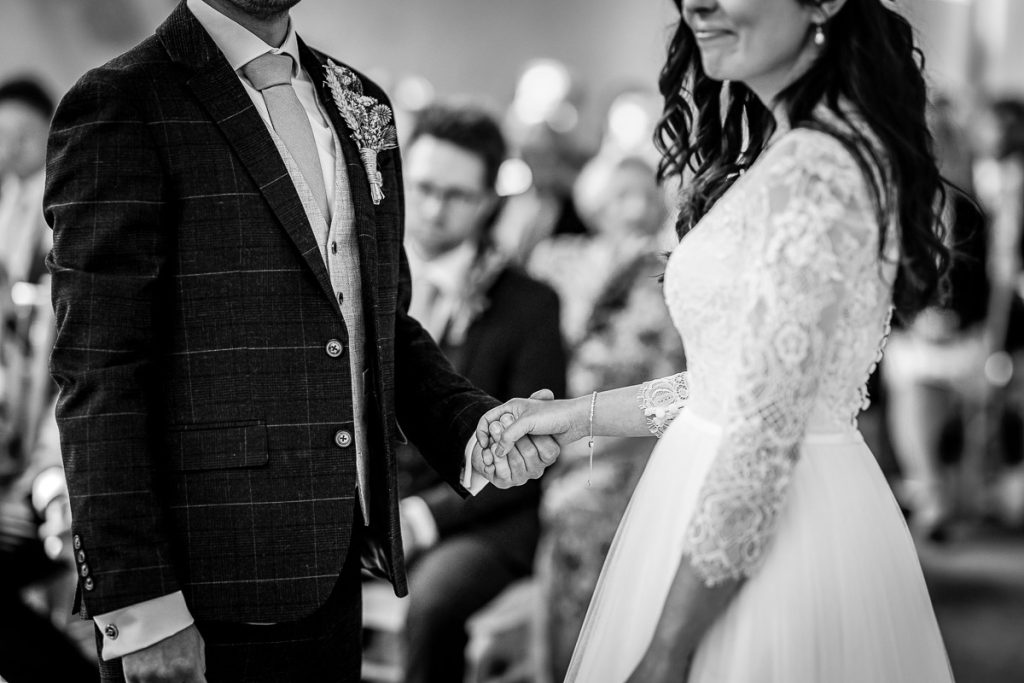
500, 329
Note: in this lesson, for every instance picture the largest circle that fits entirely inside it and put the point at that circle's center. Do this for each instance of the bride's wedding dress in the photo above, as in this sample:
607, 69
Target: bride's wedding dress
783, 303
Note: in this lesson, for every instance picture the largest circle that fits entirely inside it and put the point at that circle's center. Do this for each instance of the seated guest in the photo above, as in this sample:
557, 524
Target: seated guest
37, 572
615, 315
629, 336
501, 330
625, 212
943, 369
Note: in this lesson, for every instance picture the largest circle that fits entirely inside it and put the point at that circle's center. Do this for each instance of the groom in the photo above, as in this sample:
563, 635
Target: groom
235, 355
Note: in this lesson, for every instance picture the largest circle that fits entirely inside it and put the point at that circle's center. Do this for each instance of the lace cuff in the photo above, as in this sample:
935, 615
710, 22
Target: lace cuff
661, 400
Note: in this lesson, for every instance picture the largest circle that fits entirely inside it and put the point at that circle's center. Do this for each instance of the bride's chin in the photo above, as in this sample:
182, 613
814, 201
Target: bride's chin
714, 71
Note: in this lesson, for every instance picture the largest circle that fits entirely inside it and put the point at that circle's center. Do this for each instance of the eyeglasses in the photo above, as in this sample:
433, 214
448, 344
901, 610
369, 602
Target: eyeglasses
457, 197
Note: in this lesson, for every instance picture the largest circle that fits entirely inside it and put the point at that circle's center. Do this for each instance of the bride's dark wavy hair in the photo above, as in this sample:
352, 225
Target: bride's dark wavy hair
869, 59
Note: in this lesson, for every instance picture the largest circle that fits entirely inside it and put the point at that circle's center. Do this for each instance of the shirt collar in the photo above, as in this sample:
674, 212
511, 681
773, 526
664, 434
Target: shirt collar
448, 271
239, 45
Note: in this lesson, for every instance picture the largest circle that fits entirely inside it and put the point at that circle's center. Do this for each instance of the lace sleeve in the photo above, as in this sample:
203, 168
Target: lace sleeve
814, 227
661, 400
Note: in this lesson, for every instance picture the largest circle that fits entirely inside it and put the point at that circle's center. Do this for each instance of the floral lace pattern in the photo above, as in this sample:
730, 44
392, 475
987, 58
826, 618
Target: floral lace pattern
783, 303
661, 400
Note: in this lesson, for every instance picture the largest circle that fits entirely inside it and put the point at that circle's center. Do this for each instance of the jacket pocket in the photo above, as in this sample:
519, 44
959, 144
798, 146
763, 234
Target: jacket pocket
217, 446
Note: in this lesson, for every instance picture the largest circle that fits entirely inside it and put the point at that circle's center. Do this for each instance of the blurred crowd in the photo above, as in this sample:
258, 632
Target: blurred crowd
42, 640
536, 262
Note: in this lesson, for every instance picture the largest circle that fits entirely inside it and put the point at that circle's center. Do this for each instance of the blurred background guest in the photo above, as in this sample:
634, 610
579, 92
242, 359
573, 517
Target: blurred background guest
615, 318
628, 336
934, 363
25, 111
998, 132
626, 212
37, 575
500, 329
541, 121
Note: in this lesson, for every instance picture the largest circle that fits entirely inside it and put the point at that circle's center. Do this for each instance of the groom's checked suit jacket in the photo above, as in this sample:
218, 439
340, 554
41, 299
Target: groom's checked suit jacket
205, 410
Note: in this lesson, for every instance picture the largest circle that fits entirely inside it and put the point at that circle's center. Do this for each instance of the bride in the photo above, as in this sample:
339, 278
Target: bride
762, 543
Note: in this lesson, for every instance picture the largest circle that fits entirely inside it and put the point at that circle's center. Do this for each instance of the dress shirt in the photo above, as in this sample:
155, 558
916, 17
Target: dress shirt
438, 286
241, 47
23, 232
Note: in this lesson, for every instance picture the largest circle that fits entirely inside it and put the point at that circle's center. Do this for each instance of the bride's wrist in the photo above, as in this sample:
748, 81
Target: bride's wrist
581, 417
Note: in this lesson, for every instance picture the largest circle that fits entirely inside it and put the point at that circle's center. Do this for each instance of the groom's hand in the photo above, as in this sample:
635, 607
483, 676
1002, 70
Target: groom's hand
527, 460
181, 658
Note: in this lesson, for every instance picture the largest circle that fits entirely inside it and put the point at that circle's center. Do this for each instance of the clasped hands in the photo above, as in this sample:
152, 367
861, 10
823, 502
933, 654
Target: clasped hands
519, 440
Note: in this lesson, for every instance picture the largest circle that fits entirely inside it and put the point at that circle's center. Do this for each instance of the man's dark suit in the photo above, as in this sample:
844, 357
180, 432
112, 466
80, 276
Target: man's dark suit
512, 349
205, 427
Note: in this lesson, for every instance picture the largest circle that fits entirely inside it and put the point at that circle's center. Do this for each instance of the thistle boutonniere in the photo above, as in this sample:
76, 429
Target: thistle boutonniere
369, 120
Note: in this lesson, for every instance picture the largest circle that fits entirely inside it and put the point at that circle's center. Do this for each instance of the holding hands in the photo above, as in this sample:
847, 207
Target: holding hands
517, 441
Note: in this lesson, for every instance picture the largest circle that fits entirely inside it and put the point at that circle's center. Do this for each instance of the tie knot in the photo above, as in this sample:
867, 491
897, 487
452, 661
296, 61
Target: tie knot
269, 70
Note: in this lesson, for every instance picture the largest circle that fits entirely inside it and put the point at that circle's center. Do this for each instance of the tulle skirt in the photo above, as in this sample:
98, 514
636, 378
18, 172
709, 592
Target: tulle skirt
840, 597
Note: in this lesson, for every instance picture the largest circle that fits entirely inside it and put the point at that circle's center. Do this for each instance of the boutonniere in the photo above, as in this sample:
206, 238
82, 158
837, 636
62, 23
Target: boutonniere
369, 120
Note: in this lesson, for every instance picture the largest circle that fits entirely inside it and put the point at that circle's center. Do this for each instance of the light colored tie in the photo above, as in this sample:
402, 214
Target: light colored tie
271, 74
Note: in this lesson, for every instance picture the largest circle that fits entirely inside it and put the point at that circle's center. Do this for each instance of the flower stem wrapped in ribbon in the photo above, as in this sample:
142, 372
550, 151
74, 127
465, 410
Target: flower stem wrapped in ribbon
369, 120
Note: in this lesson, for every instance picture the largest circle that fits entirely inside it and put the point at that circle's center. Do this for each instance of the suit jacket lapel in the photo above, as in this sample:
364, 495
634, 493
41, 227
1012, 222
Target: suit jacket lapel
219, 91
359, 184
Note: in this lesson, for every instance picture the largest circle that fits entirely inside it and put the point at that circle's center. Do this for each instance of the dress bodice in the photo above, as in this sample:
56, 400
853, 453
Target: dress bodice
783, 300
800, 220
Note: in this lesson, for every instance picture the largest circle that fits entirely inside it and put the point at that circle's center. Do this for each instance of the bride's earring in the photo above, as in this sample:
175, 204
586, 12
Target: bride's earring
819, 34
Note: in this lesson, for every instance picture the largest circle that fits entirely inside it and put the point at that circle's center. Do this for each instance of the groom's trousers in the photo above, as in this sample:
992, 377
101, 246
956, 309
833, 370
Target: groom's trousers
325, 646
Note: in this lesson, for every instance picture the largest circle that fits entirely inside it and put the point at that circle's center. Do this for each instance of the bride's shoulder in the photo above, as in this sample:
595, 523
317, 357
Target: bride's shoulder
818, 183
824, 162
810, 150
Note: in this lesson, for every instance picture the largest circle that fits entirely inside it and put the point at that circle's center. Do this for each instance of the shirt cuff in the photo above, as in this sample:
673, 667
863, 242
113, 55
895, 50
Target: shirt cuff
417, 515
472, 481
138, 626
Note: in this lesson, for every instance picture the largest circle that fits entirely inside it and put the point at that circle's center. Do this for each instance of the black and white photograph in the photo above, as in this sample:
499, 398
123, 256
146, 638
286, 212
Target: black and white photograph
548, 341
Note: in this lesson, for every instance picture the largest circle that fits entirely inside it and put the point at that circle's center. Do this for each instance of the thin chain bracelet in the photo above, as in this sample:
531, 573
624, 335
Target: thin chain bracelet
590, 443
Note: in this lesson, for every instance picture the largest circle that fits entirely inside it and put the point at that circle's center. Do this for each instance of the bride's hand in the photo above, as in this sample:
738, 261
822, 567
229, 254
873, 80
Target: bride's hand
528, 458
501, 427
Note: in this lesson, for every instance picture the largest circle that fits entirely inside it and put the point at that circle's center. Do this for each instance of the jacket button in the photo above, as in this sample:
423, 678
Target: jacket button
343, 438
88, 584
334, 348
111, 632
77, 542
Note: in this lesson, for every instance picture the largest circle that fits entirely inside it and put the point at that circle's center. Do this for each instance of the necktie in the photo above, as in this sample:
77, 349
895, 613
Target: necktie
271, 74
